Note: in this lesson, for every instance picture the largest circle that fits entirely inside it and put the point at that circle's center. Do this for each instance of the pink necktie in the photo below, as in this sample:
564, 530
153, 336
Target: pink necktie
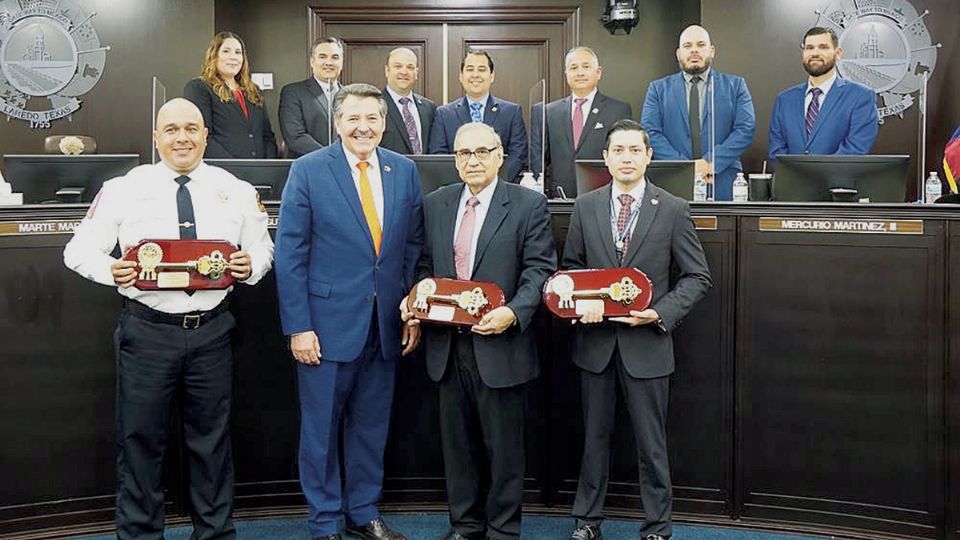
461, 246
578, 121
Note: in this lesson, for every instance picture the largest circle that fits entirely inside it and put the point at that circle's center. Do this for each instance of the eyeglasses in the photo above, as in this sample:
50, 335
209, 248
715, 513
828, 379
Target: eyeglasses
482, 154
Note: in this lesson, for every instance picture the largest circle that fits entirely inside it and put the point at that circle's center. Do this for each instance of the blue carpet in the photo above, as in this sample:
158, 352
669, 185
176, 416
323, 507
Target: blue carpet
432, 526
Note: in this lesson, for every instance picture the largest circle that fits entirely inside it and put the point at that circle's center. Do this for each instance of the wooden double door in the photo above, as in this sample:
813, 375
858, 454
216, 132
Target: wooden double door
527, 45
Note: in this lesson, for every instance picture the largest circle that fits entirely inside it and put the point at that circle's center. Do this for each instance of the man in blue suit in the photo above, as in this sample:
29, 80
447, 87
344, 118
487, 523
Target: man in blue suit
350, 234
826, 114
478, 105
679, 120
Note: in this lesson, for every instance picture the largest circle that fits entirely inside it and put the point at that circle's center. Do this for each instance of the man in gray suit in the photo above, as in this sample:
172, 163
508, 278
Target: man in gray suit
577, 124
485, 229
409, 115
631, 223
305, 105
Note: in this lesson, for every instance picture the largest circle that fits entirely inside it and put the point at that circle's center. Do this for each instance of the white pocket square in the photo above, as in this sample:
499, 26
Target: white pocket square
598, 126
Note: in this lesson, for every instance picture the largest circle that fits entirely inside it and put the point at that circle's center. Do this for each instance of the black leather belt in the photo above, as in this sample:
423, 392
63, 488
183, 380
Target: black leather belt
189, 321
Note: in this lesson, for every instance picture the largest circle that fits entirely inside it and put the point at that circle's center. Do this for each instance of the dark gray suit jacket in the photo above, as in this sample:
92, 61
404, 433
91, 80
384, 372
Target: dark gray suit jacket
558, 143
516, 251
304, 117
663, 240
395, 135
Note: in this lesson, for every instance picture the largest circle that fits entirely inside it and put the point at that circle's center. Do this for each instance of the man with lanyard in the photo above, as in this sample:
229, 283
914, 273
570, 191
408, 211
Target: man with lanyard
173, 343
641, 226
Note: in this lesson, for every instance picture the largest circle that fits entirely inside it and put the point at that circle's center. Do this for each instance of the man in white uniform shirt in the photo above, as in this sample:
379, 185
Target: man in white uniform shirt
170, 340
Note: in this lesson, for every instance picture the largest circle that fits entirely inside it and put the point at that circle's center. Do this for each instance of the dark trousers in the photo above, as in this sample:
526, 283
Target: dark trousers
646, 401
354, 397
157, 363
483, 454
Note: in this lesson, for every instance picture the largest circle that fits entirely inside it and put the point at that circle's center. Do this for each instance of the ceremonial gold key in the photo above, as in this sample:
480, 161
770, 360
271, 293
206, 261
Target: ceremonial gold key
470, 301
150, 257
624, 291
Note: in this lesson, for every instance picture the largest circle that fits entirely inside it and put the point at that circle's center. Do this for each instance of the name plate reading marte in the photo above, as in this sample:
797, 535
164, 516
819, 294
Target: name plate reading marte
22, 228
854, 226
705, 223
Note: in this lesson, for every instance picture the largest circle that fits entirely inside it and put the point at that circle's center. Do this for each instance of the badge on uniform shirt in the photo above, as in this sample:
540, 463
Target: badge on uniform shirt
260, 204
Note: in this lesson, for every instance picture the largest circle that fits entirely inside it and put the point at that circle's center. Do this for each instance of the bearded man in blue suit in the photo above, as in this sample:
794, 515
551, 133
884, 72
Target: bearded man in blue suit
350, 234
679, 120
826, 114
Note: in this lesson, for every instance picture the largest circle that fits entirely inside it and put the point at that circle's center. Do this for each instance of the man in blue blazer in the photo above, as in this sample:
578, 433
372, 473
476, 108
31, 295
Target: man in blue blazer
676, 134
478, 105
826, 114
350, 234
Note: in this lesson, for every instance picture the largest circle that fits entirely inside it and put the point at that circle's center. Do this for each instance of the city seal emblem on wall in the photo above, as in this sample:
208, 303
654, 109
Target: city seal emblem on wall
886, 46
49, 55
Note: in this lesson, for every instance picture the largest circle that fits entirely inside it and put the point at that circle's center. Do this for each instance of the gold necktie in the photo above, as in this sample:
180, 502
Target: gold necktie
369, 209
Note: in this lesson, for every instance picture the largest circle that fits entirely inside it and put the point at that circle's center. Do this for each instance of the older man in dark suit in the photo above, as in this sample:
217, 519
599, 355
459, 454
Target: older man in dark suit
485, 230
305, 105
577, 124
409, 115
631, 223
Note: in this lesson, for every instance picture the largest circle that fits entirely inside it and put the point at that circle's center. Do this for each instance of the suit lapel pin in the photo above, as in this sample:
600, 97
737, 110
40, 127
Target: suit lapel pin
654, 201
596, 110
494, 109
598, 126
386, 168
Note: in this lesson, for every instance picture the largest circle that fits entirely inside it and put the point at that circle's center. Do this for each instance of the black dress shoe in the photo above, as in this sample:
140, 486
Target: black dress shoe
454, 535
655, 537
328, 537
375, 530
587, 532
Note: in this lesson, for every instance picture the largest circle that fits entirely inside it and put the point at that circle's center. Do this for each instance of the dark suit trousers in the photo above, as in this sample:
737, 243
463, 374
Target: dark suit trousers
483, 450
646, 401
156, 364
354, 397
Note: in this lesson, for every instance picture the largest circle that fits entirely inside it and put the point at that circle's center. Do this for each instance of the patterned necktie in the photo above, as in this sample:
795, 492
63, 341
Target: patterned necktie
623, 219
188, 226
578, 120
813, 110
695, 116
369, 208
461, 246
476, 114
411, 126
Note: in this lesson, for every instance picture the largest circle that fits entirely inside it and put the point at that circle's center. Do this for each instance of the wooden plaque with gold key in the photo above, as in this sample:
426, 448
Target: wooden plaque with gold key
617, 291
453, 301
182, 265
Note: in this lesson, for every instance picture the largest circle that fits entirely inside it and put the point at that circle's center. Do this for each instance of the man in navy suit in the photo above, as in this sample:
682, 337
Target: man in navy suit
679, 120
409, 115
826, 114
305, 105
478, 105
350, 234
577, 124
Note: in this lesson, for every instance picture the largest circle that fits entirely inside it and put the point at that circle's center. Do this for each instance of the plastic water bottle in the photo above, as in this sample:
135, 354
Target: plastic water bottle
740, 191
932, 189
699, 189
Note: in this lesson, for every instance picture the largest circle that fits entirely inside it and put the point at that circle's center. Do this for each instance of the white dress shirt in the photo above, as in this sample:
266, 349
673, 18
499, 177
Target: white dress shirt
373, 175
413, 110
483, 105
329, 87
485, 196
637, 194
702, 90
143, 205
825, 87
585, 107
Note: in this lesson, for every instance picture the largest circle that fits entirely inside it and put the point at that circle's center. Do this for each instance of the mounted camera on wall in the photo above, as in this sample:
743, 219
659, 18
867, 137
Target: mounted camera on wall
620, 15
